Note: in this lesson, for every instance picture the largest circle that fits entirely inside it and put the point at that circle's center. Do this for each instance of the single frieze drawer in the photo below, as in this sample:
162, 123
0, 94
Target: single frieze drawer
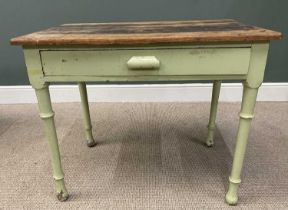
132, 62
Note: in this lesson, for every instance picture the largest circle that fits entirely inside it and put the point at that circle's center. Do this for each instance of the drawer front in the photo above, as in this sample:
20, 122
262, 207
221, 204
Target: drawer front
131, 62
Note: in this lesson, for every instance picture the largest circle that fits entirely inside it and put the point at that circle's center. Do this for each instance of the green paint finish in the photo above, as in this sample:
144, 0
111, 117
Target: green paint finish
246, 115
139, 78
201, 61
34, 68
47, 114
209, 63
86, 114
213, 112
257, 64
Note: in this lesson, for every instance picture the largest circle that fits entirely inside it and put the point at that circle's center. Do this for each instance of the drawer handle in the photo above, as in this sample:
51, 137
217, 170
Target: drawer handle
143, 63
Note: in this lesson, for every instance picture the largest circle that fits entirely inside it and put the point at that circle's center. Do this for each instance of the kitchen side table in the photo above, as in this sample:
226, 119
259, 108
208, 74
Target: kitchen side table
213, 50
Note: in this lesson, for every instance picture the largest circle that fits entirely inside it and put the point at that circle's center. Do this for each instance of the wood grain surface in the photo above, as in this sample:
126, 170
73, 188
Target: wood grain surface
127, 33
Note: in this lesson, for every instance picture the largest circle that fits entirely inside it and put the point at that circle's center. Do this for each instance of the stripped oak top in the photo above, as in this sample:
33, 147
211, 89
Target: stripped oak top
125, 33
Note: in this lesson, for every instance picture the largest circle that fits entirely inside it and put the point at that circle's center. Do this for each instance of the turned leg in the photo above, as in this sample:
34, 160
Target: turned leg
47, 115
213, 112
246, 115
86, 114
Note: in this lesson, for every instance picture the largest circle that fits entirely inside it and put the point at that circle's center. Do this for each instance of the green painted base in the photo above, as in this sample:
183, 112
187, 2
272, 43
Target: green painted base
248, 62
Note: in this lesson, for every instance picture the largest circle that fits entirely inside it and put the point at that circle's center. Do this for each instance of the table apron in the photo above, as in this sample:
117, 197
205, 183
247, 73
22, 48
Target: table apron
151, 64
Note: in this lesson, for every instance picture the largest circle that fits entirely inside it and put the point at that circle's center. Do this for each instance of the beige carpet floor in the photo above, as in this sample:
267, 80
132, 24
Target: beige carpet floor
149, 156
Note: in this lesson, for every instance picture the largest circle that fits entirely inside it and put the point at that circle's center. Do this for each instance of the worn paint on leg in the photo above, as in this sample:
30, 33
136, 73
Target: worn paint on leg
47, 115
250, 90
246, 115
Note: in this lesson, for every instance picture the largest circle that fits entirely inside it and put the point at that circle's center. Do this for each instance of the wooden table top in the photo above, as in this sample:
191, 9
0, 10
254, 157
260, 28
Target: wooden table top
127, 33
